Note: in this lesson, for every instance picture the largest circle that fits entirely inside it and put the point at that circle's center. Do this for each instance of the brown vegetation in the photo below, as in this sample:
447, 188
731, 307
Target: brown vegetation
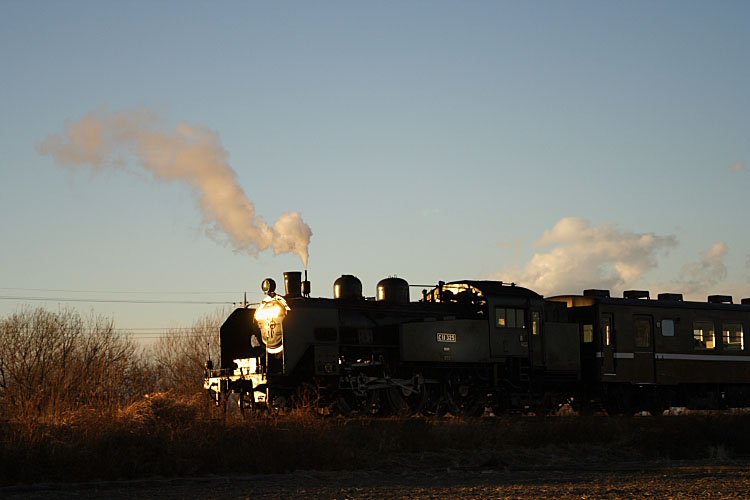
52, 363
78, 403
179, 356
171, 435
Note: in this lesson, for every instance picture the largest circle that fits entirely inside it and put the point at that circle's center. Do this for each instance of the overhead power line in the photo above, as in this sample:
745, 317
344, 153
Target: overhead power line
161, 328
142, 292
114, 301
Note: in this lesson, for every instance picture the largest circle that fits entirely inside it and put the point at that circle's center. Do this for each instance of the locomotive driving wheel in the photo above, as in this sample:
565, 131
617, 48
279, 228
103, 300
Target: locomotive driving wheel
463, 397
436, 402
378, 403
408, 400
374, 403
344, 404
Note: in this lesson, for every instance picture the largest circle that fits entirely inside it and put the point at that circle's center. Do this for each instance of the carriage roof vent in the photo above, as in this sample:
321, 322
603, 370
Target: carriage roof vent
592, 292
745, 301
670, 296
636, 294
720, 299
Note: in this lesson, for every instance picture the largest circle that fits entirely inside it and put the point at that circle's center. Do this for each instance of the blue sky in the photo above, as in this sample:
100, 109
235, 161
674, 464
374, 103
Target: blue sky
429, 140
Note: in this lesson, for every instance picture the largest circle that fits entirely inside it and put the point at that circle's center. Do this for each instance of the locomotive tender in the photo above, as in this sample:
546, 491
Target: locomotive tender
468, 345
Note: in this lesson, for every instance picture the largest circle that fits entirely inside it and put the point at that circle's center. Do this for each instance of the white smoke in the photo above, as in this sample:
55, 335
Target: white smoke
709, 270
575, 255
191, 154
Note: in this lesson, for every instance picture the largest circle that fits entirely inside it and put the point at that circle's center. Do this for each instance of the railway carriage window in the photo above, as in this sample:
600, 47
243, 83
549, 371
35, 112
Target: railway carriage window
703, 335
509, 318
642, 333
667, 328
733, 336
535, 323
588, 333
607, 330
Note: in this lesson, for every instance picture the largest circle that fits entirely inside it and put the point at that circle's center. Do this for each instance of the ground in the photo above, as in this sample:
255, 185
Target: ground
491, 479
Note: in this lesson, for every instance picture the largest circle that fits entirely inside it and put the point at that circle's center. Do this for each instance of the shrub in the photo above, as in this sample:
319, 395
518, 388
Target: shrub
180, 356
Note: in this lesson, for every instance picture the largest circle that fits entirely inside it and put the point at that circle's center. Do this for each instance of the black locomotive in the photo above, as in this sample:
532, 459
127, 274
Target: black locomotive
469, 345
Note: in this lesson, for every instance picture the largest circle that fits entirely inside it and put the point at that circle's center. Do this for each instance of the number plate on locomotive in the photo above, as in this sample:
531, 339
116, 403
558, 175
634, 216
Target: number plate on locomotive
446, 337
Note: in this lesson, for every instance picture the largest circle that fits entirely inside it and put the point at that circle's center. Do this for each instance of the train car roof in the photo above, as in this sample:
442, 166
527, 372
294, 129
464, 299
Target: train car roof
588, 300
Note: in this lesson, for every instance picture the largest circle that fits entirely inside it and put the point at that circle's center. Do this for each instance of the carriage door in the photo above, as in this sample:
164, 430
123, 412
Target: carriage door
608, 345
643, 352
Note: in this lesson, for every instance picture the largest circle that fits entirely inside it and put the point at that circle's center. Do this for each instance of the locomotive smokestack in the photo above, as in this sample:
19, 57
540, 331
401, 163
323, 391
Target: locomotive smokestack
293, 283
306, 286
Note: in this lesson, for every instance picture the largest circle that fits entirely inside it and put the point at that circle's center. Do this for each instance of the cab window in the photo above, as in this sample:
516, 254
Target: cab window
507, 317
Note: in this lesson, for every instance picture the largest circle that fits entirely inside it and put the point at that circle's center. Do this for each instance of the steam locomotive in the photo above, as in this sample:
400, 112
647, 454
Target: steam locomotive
470, 345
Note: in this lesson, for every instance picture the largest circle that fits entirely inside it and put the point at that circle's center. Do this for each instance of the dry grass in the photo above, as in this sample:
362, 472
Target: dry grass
168, 435
71, 409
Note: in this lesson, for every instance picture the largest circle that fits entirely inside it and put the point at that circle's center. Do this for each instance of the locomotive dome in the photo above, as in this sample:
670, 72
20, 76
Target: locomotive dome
394, 290
347, 287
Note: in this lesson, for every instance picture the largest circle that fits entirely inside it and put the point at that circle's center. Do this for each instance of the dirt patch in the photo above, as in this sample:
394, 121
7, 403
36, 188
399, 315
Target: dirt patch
488, 480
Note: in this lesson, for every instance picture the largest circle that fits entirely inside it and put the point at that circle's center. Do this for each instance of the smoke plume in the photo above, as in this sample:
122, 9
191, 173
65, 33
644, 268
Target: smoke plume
191, 154
575, 255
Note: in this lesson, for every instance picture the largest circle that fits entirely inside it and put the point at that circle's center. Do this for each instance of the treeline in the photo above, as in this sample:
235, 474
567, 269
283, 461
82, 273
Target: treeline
54, 363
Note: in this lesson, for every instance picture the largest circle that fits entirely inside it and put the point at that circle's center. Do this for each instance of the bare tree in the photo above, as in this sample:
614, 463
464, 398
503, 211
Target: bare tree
180, 355
52, 362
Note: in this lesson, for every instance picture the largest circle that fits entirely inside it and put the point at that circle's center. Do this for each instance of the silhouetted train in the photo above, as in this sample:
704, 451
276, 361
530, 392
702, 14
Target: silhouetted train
471, 345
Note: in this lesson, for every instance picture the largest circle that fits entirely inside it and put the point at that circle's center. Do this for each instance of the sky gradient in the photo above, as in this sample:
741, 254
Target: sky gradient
560, 145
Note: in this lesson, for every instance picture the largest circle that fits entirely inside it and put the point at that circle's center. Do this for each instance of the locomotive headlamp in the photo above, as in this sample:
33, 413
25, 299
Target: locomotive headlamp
268, 286
268, 311
272, 308
270, 317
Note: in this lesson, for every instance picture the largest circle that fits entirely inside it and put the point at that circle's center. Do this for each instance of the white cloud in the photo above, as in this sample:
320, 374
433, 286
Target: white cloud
575, 255
699, 276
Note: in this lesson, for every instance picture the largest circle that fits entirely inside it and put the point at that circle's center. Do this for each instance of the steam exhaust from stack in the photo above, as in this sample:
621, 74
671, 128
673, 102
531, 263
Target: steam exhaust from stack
189, 154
